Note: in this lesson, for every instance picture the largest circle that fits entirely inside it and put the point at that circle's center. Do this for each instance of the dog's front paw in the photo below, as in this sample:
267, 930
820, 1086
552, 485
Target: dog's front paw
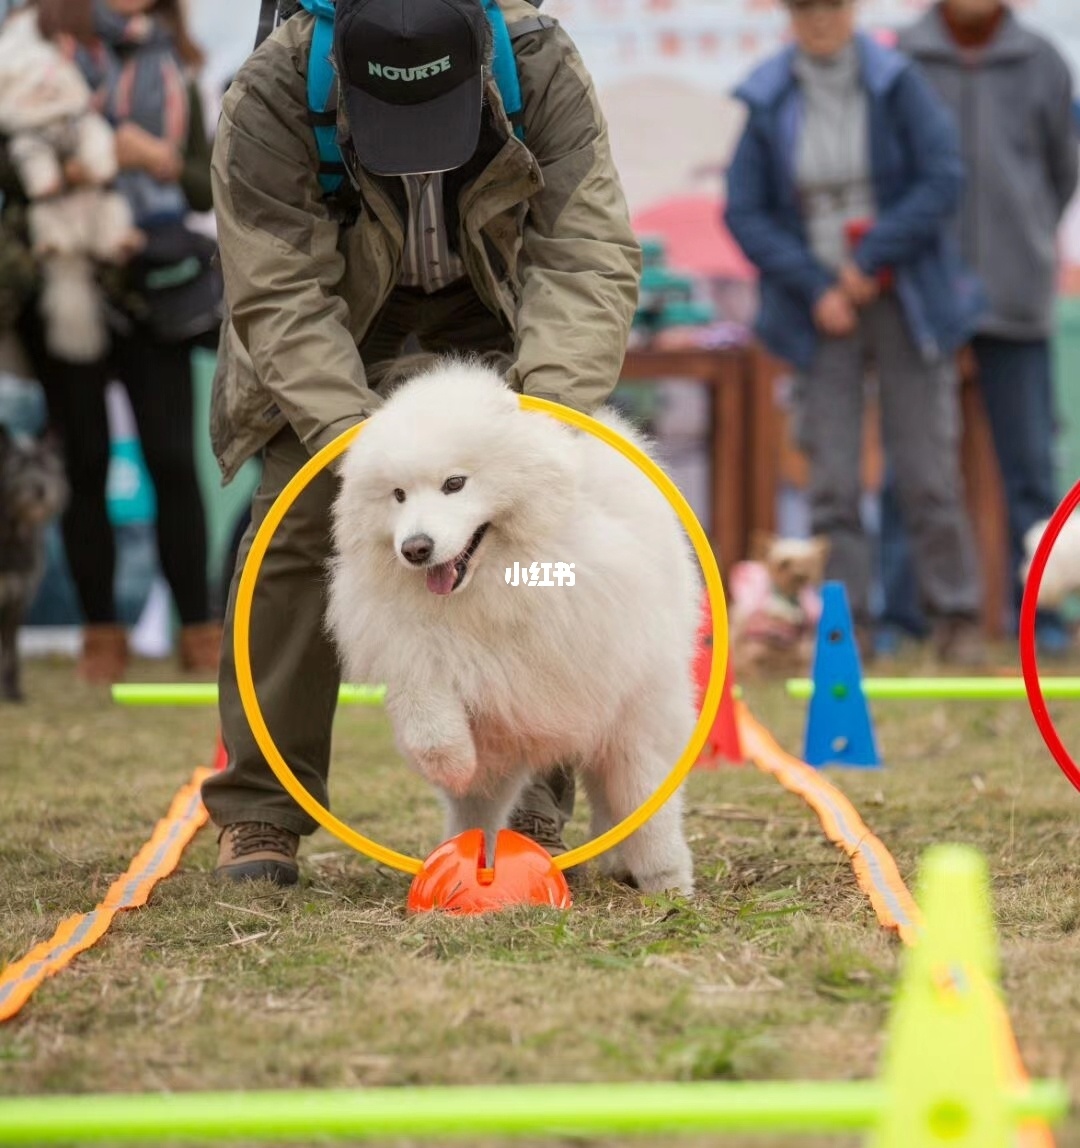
675, 876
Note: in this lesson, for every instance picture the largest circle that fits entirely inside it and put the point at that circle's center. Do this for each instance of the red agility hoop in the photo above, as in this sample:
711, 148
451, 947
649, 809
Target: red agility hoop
1028, 658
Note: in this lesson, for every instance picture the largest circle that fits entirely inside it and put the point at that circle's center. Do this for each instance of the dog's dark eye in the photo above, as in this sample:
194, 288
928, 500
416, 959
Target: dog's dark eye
453, 484
399, 494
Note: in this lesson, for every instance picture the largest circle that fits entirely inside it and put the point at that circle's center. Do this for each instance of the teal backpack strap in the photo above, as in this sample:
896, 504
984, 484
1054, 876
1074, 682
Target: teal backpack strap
504, 67
505, 63
320, 88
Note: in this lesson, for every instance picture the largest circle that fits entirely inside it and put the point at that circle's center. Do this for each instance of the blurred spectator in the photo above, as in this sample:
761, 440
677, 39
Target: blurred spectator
64, 153
839, 192
1012, 94
140, 62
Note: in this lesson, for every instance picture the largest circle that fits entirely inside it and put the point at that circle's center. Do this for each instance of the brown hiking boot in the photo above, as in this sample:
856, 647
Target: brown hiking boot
104, 655
543, 810
539, 827
959, 642
200, 648
252, 850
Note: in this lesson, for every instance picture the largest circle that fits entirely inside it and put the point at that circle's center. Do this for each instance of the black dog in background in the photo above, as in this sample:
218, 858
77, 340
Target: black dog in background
33, 491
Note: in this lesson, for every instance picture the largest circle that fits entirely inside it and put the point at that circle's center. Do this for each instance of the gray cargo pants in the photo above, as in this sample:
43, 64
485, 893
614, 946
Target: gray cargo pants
920, 427
294, 662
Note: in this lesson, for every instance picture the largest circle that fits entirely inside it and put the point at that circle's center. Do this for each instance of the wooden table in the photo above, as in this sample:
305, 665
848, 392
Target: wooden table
726, 373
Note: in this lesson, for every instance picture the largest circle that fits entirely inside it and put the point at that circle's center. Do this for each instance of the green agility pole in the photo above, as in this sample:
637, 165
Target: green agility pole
502, 1110
947, 689
206, 694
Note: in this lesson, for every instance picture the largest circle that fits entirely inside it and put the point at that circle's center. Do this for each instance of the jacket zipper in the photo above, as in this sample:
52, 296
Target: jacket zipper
970, 127
370, 190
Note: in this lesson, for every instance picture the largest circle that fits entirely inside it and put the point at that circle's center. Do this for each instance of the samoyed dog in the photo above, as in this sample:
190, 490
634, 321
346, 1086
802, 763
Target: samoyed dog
1061, 576
489, 678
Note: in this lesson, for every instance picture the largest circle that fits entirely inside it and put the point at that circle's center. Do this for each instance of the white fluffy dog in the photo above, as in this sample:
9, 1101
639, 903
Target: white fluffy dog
450, 484
1062, 574
45, 109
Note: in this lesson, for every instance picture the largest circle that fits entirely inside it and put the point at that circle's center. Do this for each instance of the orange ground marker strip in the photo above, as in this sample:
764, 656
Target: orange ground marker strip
1032, 1133
155, 860
875, 871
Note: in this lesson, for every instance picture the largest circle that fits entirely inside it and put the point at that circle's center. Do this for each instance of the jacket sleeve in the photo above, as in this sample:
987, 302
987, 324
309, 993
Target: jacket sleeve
580, 263
934, 144
751, 218
1059, 127
195, 178
279, 251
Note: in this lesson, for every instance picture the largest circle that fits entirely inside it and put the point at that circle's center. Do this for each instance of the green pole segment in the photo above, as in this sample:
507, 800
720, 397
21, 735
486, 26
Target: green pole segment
206, 694
947, 689
503, 1110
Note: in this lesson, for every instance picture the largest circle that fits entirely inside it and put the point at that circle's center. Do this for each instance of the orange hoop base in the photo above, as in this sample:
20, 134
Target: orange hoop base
456, 878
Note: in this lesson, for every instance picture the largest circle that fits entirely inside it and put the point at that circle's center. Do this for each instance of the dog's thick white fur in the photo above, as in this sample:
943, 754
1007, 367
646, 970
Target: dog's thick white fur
488, 683
45, 110
1062, 574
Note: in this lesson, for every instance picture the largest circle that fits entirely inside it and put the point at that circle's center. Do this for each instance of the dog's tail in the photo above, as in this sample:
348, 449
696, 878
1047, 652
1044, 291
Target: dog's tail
387, 376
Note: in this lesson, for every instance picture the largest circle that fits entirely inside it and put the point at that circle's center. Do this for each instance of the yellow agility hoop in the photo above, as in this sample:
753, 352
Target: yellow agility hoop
710, 704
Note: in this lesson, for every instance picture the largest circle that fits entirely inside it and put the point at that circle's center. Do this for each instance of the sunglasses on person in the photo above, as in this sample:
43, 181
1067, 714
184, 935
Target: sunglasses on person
804, 6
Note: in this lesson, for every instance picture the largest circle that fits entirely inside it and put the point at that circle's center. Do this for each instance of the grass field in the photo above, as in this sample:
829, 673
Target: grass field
776, 969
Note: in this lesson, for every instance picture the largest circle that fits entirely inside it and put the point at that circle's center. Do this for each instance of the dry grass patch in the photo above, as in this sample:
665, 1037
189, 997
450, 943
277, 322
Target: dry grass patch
777, 969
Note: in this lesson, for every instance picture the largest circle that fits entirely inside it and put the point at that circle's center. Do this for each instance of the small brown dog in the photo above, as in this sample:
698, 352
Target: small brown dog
776, 606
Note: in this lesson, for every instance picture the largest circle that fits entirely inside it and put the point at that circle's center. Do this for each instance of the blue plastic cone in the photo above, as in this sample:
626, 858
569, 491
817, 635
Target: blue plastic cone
838, 727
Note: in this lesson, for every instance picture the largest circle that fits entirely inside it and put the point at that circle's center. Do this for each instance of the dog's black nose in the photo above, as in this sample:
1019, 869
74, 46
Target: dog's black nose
417, 548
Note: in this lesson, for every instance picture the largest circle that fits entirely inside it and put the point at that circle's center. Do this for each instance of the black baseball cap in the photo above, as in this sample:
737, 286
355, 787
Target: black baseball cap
411, 74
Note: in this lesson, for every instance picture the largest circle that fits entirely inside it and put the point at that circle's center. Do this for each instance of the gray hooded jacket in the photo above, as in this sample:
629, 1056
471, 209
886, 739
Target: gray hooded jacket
1013, 103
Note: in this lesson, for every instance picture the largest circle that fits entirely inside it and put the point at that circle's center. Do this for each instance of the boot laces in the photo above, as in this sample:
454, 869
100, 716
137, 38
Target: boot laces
543, 830
258, 836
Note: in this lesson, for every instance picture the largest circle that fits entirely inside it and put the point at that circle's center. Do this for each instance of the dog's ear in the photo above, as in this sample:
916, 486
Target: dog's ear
761, 544
541, 456
5, 437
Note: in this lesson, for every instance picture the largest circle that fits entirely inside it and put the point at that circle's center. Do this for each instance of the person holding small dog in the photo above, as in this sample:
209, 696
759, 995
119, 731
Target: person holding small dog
138, 58
840, 191
448, 231
53, 130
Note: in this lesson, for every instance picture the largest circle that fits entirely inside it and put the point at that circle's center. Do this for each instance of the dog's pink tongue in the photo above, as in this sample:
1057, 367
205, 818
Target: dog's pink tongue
441, 578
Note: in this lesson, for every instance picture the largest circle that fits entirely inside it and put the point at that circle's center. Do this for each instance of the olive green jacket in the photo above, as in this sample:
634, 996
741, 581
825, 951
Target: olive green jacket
543, 231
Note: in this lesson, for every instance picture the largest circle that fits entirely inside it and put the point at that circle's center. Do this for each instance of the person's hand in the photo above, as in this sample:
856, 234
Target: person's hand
966, 364
132, 146
859, 288
76, 173
834, 313
165, 164
139, 150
